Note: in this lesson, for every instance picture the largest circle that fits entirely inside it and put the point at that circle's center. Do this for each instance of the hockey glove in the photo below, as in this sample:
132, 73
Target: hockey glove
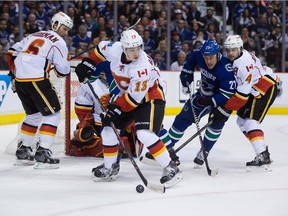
219, 115
12, 76
112, 114
205, 101
85, 69
186, 77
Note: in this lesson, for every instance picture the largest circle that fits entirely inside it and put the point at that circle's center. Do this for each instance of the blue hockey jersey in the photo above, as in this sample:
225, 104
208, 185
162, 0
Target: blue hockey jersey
218, 82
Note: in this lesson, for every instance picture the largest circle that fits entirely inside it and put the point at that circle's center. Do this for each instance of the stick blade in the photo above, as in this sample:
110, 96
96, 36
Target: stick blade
213, 172
156, 187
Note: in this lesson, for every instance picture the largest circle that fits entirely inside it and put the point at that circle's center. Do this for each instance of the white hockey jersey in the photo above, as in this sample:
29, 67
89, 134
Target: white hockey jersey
85, 99
35, 54
252, 78
138, 81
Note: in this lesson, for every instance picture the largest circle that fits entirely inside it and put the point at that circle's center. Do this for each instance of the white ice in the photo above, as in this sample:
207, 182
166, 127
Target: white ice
71, 191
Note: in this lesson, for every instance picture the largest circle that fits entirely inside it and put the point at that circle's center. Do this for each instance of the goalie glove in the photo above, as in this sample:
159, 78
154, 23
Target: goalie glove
112, 114
219, 115
85, 69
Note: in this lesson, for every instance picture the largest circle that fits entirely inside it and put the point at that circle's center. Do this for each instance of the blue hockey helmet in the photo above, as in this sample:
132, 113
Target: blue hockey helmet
210, 47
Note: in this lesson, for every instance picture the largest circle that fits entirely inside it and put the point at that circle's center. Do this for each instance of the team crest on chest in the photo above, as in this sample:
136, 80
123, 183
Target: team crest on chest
121, 68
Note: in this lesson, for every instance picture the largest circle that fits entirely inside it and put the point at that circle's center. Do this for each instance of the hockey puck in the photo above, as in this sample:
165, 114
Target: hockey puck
139, 188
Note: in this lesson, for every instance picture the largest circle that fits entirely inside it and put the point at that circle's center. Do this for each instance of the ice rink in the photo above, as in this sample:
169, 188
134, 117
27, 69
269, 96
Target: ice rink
71, 191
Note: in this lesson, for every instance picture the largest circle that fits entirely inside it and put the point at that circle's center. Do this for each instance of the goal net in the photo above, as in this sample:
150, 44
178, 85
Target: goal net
67, 89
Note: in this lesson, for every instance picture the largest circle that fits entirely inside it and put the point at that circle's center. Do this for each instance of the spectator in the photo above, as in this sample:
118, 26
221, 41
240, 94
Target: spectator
210, 32
3, 62
209, 18
272, 48
258, 9
89, 24
176, 44
81, 39
182, 30
246, 21
42, 19
249, 43
159, 61
13, 36
178, 65
162, 48
148, 43
262, 29
161, 25
238, 11
4, 35
193, 13
30, 25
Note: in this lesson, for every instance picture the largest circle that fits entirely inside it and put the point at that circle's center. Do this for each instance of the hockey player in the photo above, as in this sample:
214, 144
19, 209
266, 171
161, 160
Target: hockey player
30, 60
87, 136
141, 99
217, 86
256, 92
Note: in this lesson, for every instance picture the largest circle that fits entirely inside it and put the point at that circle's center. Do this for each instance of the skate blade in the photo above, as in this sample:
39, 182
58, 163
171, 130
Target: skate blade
177, 178
265, 167
24, 163
197, 166
151, 162
109, 179
39, 165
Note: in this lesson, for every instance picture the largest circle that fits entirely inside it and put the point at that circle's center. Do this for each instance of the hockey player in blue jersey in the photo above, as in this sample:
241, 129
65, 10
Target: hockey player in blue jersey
217, 86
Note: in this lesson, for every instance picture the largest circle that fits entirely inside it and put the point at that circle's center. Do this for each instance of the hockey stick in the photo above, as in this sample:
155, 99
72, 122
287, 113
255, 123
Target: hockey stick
152, 162
154, 187
209, 171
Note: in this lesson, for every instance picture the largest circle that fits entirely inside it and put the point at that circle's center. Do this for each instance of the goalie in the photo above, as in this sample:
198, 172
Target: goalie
87, 140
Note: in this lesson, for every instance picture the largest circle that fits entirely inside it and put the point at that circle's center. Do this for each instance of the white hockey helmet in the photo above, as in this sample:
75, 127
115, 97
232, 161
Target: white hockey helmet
59, 19
233, 41
130, 38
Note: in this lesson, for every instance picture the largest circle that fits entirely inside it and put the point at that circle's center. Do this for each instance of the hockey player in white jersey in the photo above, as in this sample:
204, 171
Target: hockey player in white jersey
256, 92
30, 60
141, 99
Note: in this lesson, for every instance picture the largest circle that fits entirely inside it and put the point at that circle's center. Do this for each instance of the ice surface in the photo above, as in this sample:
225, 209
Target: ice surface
71, 191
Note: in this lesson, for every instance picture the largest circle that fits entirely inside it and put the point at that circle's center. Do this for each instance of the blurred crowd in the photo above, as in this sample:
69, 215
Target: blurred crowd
258, 22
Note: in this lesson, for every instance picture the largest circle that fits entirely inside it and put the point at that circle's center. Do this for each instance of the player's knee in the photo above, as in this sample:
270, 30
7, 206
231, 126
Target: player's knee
147, 137
33, 119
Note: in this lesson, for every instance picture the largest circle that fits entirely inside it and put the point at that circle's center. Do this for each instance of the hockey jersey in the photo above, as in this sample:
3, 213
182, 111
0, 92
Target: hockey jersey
252, 79
219, 82
35, 54
138, 81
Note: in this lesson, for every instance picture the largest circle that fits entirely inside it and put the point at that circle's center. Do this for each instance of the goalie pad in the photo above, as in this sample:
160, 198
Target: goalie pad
84, 134
92, 148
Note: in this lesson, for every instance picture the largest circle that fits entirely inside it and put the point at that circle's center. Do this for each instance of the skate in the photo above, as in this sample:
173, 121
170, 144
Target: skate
150, 160
171, 175
199, 159
24, 155
101, 173
261, 160
44, 159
